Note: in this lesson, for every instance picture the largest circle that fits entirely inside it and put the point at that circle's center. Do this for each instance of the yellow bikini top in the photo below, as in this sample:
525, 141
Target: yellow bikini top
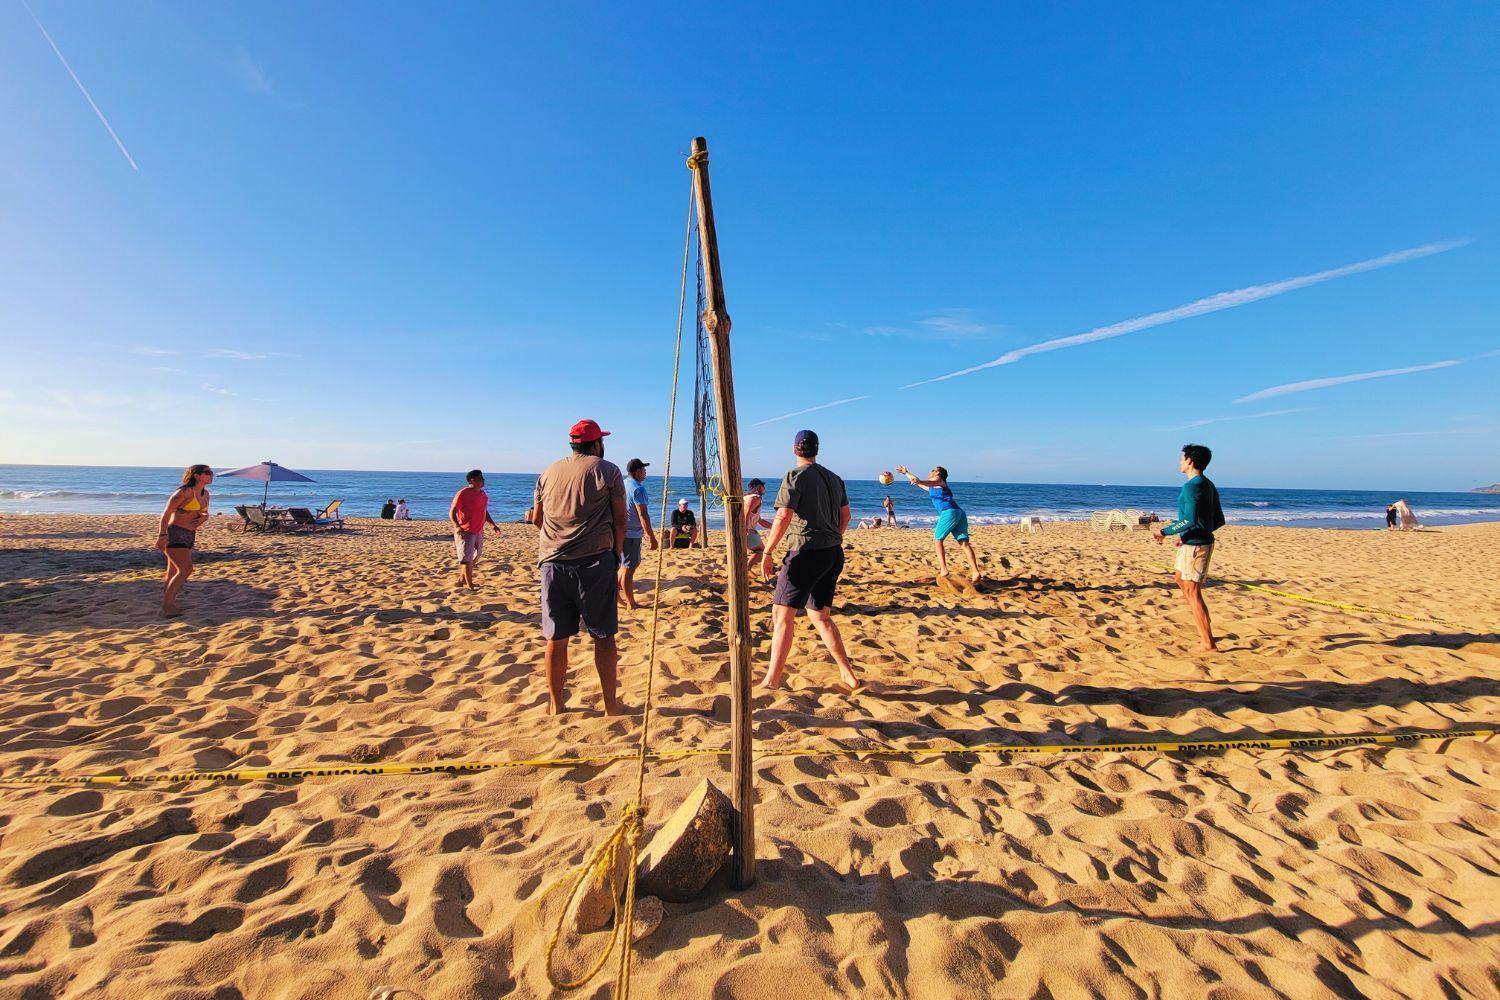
192, 504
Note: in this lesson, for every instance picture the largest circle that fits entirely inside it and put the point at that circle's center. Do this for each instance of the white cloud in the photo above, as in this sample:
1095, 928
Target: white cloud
154, 352
252, 74
1200, 307
217, 390
1324, 383
945, 324
1247, 416
810, 409
234, 355
82, 89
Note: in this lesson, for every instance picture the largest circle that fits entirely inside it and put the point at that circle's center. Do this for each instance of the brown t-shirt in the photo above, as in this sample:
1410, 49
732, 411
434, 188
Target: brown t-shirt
577, 497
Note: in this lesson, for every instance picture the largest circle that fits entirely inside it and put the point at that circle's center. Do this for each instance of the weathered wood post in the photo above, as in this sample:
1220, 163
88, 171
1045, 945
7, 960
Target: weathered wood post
716, 322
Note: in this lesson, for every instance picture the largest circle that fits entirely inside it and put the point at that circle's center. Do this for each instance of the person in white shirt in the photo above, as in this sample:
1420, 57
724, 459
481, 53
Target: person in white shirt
403, 512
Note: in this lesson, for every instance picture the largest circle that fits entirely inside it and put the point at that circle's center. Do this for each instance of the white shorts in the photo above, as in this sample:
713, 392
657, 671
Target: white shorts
1192, 562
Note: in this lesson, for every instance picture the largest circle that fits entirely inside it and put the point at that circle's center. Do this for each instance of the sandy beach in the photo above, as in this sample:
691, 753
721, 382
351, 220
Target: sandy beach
1358, 871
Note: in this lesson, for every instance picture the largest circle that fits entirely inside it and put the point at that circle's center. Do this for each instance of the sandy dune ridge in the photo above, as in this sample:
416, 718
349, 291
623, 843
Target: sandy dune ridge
1352, 872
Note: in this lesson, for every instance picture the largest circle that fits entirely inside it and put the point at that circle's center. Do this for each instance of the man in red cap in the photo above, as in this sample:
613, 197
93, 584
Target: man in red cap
579, 511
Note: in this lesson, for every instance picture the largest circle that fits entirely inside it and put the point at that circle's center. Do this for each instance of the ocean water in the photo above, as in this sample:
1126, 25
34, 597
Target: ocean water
109, 490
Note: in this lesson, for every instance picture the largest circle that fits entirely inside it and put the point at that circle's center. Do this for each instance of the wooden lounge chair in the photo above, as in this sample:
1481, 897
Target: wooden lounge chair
331, 513
256, 519
303, 520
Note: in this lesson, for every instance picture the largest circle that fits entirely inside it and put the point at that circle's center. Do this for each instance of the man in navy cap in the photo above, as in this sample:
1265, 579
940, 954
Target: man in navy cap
579, 511
812, 513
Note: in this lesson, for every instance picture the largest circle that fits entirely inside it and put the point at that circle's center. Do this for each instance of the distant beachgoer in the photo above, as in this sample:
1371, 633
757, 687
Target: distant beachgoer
637, 527
388, 511
1391, 517
1407, 516
870, 523
755, 496
184, 514
890, 511
812, 514
1199, 515
684, 533
470, 512
951, 519
580, 514
403, 512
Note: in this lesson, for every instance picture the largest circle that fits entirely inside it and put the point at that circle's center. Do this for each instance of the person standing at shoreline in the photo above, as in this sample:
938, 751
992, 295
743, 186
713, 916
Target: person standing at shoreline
951, 519
579, 510
890, 511
1199, 515
637, 527
185, 513
812, 514
470, 512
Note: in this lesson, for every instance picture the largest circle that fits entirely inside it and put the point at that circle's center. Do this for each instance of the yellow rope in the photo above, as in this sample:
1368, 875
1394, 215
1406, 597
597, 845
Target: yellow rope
1358, 608
628, 831
1254, 741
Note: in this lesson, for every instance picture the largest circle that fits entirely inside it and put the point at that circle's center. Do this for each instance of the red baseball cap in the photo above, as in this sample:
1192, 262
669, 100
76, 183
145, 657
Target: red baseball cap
585, 431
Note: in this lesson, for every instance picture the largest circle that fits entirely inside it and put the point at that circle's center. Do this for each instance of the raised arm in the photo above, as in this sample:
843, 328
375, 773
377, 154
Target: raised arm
925, 484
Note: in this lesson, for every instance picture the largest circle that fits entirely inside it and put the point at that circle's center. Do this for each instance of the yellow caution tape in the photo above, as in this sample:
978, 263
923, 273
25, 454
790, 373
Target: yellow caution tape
1007, 749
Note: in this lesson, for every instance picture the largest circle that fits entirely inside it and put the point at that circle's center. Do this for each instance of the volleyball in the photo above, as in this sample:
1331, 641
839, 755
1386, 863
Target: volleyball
886, 479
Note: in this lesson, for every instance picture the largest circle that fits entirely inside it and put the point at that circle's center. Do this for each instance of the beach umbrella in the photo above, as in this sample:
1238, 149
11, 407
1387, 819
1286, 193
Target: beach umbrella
268, 473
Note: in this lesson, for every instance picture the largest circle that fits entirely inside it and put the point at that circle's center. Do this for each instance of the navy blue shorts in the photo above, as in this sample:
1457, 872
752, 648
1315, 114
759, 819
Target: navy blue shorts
632, 557
575, 590
809, 577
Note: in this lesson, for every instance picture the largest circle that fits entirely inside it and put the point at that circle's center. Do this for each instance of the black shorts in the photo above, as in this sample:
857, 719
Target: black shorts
180, 538
809, 577
575, 590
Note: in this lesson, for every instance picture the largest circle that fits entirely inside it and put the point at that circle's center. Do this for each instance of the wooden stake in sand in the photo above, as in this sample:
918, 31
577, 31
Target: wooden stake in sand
716, 322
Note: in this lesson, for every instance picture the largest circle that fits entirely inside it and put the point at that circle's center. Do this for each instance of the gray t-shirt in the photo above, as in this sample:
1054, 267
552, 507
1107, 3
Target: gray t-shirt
577, 497
815, 497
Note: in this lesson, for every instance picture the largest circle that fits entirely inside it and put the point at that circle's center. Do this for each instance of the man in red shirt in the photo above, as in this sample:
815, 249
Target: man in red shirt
470, 511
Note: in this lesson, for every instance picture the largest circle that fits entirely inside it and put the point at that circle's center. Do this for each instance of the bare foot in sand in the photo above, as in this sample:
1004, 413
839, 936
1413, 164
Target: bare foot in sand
170, 611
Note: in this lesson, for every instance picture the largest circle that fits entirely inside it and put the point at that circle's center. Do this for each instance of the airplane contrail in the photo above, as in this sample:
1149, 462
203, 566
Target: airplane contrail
1324, 383
810, 409
82, 89
1200, 307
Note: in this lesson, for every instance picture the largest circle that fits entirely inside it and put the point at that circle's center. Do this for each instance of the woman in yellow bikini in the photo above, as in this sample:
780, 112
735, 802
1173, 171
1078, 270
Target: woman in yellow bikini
184, 515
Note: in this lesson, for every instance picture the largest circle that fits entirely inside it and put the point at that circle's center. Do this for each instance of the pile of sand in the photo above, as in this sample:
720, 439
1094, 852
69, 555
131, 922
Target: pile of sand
1353, 872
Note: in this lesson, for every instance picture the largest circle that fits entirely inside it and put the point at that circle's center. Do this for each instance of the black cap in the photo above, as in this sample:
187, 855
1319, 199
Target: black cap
805, 443
634, 464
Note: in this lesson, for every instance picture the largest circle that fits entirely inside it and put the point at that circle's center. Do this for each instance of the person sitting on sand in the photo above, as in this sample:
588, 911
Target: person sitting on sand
402, 512
869, 523
1407, 516
637, 527
579, 509
1199, 515
470, 512
388, 511
951, 519
812, 513
184, 514
755, 496
684, 533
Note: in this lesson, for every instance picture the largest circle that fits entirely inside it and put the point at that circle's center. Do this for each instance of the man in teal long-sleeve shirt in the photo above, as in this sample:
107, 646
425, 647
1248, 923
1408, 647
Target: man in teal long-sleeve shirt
1198, 517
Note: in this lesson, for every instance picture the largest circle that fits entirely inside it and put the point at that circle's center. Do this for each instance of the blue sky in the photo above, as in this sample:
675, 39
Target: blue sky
416, 237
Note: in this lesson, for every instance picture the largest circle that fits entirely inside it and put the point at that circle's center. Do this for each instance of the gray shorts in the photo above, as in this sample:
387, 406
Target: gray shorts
632, 557
575, 590
467, 545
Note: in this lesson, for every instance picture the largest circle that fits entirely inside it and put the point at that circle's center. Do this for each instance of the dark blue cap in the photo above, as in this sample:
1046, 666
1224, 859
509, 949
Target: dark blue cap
805, 443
